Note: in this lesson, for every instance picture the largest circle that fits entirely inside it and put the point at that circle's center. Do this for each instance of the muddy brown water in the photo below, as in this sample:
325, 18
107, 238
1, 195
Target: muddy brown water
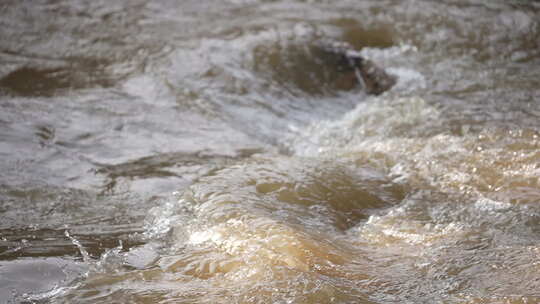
201, 152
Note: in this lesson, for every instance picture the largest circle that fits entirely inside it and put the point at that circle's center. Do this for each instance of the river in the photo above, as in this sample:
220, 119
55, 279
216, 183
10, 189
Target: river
200, 152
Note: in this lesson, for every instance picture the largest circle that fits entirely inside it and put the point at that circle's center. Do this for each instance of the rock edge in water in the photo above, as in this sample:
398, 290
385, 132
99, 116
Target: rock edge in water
374, 79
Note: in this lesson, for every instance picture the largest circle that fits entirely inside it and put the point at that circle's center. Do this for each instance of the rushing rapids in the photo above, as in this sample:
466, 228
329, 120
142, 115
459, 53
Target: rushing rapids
210, 152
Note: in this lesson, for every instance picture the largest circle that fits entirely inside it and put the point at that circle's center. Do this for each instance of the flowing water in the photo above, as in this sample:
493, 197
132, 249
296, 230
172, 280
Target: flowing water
201, 152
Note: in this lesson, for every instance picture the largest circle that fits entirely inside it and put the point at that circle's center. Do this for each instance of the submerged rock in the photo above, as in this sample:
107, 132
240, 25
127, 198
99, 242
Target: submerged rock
357, 69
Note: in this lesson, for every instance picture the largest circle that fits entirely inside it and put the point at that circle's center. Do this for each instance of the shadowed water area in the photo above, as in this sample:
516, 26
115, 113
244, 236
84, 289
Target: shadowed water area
205, 152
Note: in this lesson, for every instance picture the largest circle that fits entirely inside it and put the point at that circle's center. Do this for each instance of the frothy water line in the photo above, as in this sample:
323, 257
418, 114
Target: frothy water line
85, 256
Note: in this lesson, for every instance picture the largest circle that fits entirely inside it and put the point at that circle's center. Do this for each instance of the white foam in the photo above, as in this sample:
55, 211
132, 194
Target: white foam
375, 120
489, 205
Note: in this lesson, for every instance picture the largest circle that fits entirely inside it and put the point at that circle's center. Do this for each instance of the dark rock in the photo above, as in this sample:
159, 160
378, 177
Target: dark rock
356, 68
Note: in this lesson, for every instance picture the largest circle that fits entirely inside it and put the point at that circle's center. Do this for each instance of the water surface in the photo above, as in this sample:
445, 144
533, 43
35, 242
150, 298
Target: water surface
202, 152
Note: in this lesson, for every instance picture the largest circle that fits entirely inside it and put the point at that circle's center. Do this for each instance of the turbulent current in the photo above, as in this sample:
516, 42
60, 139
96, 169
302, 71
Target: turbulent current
203, 152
